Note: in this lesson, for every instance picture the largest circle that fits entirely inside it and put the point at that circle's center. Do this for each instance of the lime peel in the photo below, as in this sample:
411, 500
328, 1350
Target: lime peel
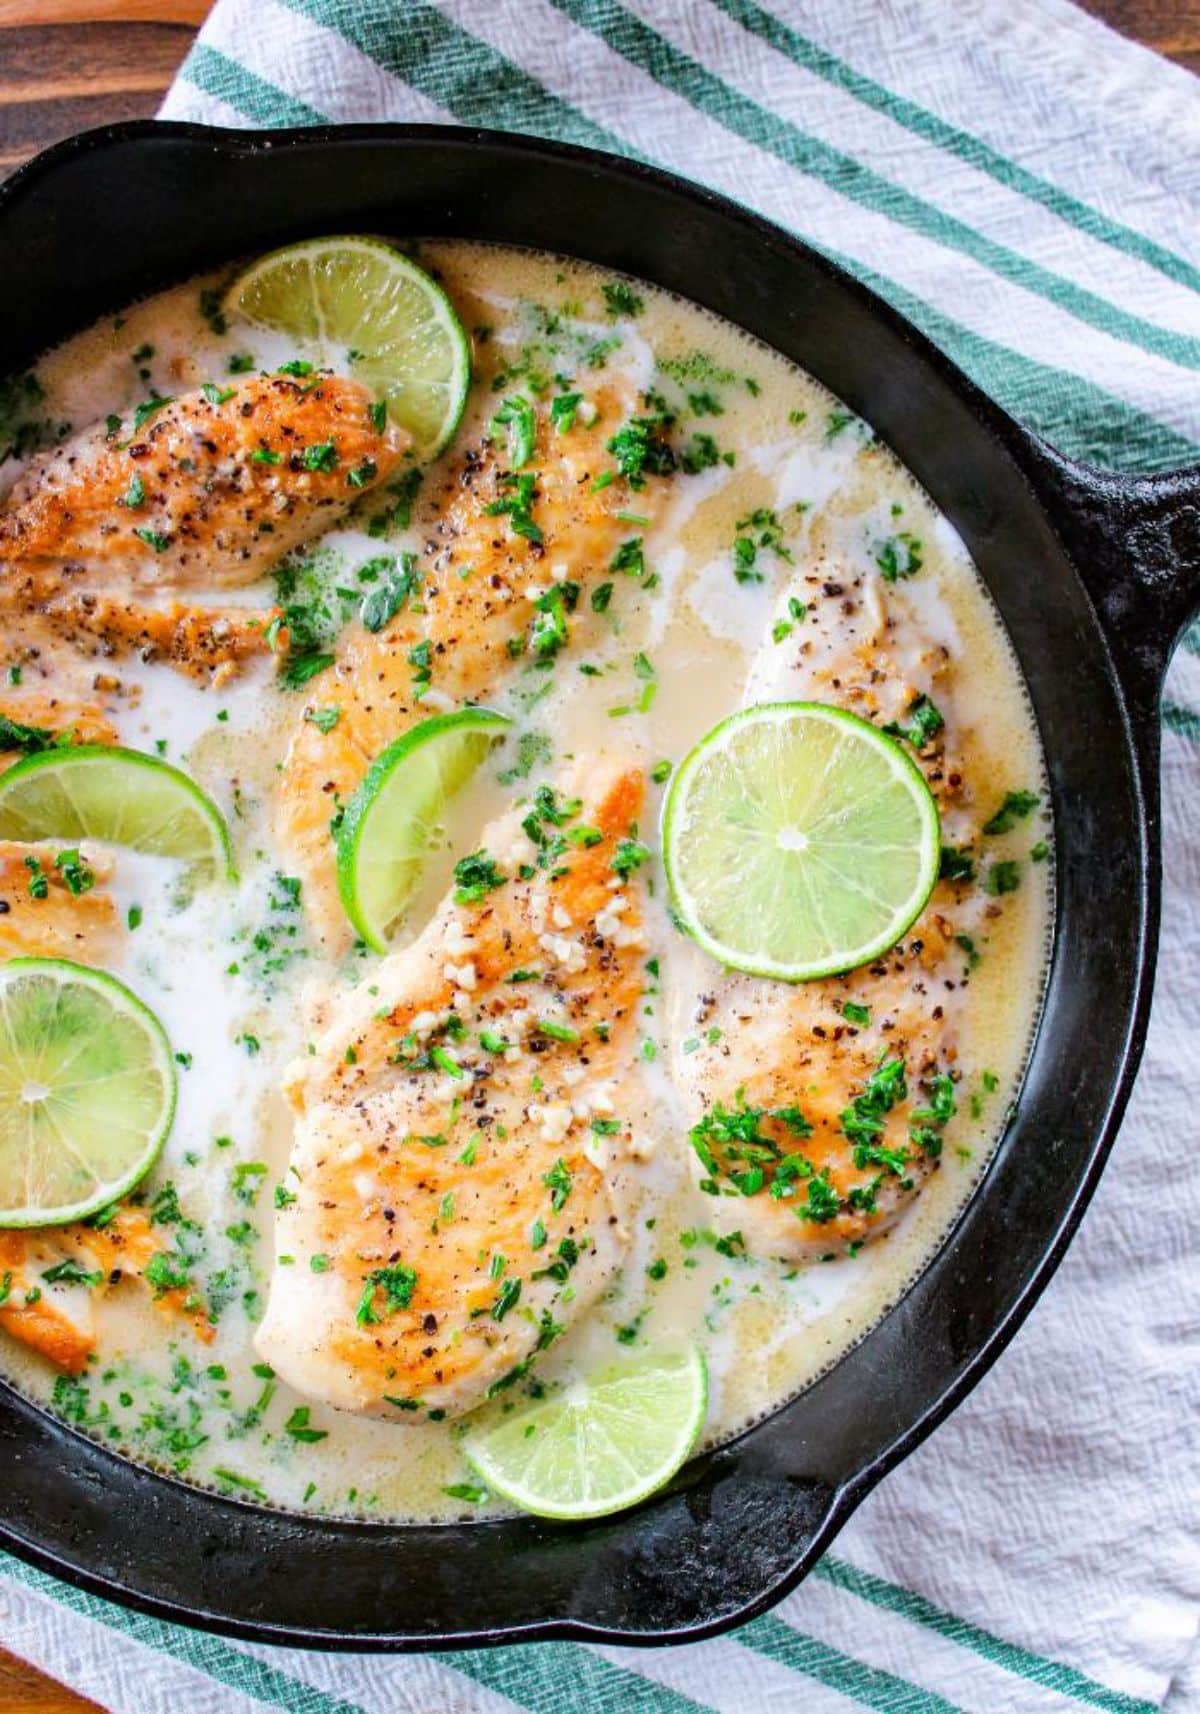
385, 833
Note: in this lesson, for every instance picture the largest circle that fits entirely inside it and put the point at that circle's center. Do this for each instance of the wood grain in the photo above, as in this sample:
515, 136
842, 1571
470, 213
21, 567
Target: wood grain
69, 64
24, 1690
1170, 27
68, 77
191, 12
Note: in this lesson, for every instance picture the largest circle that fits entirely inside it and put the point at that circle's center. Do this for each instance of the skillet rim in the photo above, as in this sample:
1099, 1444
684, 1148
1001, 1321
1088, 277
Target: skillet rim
1030, 460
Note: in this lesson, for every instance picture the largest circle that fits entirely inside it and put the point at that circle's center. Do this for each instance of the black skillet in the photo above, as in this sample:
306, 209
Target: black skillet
1094, 574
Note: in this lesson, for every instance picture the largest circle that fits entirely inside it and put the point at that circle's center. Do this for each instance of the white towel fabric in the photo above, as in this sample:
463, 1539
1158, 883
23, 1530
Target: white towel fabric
1026, 185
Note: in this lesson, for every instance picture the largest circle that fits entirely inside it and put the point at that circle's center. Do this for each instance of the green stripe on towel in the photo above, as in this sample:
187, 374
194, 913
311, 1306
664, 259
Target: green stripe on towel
894, 1598
676, 71
963, 144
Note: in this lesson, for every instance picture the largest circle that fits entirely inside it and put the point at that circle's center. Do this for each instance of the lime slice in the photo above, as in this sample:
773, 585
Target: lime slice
87, 1091
362, 308
393, 818
607, 1440
798, 841
98, 791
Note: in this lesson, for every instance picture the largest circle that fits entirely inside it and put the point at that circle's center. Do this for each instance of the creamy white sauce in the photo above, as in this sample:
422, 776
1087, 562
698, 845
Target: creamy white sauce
234, 1007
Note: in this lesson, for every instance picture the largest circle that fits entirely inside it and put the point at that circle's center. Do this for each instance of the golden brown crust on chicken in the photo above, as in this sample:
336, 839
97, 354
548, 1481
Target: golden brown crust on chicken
56, 1318
480, 585
206, 494
455, 1204
41, 917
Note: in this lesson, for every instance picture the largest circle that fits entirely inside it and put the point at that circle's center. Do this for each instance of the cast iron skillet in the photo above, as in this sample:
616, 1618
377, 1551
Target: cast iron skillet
1094, 574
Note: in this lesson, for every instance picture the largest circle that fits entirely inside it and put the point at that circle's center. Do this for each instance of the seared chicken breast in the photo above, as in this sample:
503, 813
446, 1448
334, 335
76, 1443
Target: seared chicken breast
456, 1195
818, 1108
493, 594
204, 492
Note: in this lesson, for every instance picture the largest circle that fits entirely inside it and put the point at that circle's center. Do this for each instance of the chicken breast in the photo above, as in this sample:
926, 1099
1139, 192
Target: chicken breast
456, 1195
204, 492
43, 912
53, 1316
52, 1280
819, 1109
493, 603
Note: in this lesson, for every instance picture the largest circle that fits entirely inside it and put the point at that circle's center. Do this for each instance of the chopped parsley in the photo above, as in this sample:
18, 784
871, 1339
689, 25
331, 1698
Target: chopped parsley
641, 449
39, 885
628, 857
549, 631
1016, 806
759, 531
1002, 878
630, 558
394, 585
701, 453
154, 539
149, 408
324, 719
398, 515
516, 504
297, 1425
533, 748
476, 876
69, 1272
31, 740
397, 1285
515, 420
320, 457
558, 1182
899, 556
924, 722
730, 1142
621, 299
563, 411
957, 864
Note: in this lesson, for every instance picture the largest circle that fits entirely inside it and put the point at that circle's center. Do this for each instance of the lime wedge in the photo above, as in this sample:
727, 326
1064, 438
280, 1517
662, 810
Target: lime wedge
605, 1441
393, 819
87, 1091
798, 841
362, 308
98, 791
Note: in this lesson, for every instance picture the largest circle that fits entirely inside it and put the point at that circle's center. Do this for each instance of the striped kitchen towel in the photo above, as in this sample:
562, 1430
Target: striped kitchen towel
1026, 187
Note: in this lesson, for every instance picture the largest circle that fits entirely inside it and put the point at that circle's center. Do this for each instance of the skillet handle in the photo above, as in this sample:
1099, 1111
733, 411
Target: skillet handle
1135, 541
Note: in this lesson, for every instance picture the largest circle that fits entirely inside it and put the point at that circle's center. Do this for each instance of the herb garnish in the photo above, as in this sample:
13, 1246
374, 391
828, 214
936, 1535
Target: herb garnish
621, 299
398, 583
397, 1285
899, 556
1016, 806
641, 449
924, 722
476, 876
516, 422
517, 505
30, 739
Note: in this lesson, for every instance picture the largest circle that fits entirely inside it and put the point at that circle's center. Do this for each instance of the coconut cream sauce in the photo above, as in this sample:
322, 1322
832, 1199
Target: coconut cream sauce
225, 968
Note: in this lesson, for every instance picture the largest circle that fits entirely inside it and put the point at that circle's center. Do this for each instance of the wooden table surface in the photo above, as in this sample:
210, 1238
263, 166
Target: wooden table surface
69, 64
